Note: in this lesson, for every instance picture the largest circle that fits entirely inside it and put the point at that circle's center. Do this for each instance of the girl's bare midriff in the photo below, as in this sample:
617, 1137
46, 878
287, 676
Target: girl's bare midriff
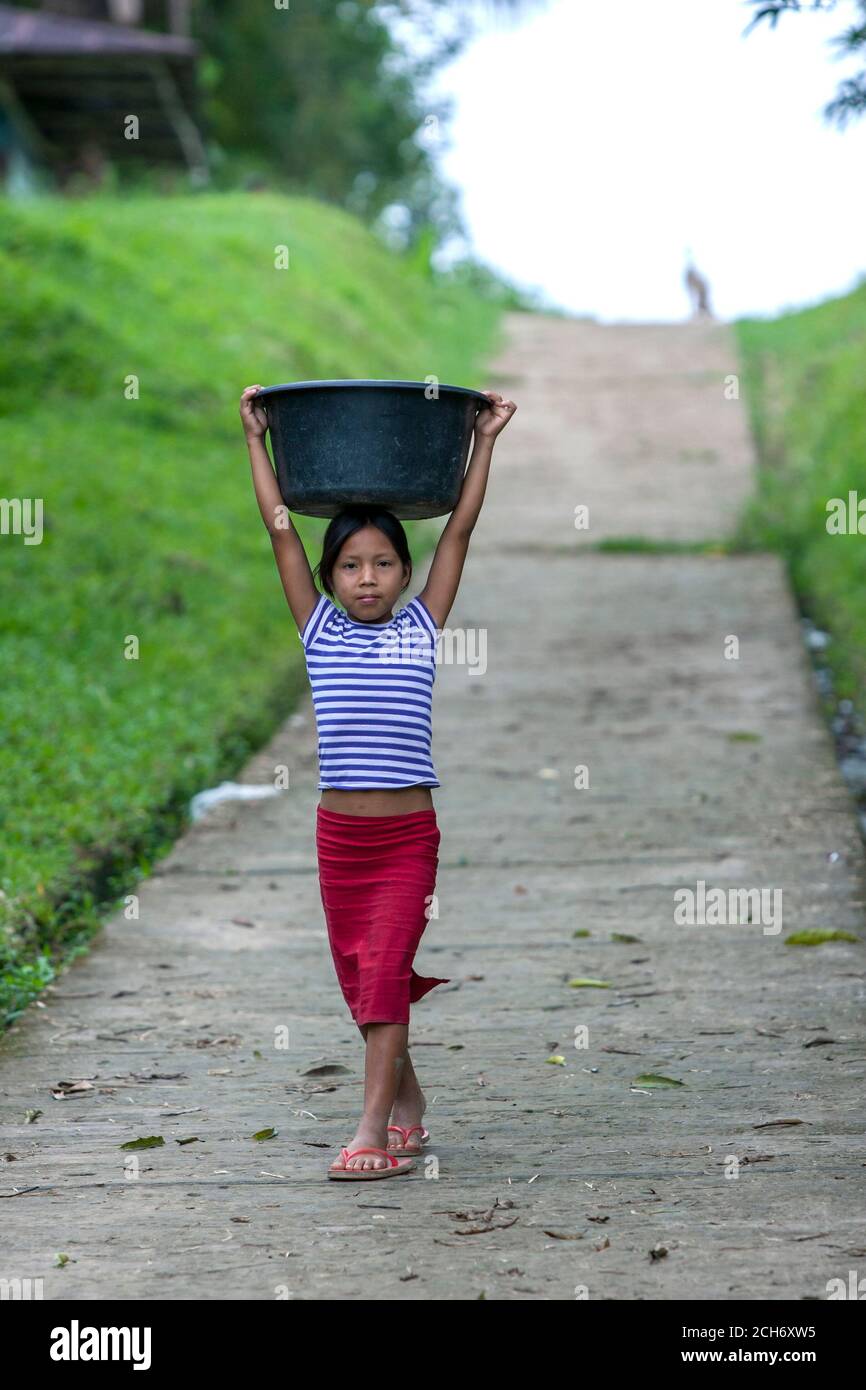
391, 801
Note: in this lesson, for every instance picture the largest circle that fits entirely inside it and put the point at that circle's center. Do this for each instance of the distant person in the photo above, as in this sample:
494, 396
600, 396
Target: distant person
699, 292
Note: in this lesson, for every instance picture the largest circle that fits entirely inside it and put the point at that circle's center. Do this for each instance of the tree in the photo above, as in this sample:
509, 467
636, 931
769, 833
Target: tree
323, 97
850, 99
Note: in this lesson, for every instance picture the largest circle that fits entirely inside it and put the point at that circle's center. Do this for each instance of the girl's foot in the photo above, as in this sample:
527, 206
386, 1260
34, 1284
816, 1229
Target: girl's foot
407, 1113
364, 1139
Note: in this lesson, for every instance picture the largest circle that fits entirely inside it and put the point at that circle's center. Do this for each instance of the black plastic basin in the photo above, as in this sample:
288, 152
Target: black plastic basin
394, 444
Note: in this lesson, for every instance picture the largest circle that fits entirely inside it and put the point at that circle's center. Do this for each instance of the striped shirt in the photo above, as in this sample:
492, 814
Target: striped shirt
372, 686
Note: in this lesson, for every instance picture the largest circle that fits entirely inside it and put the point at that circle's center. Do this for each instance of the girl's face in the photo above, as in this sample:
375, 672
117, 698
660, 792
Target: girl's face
368, 576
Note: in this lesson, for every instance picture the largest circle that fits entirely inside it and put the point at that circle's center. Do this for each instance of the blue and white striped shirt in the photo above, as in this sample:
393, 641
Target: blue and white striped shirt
372, 687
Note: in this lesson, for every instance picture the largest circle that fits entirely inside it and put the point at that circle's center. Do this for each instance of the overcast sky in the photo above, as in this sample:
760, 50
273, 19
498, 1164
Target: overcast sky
593, 141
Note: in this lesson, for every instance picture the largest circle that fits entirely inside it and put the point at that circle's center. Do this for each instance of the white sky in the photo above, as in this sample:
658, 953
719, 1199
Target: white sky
593, 141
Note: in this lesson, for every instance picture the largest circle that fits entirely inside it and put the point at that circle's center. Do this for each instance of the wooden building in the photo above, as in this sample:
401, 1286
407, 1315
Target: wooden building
84, 82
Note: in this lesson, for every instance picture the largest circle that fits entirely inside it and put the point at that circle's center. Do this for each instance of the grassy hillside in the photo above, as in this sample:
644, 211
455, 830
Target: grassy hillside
151, 527
802, 379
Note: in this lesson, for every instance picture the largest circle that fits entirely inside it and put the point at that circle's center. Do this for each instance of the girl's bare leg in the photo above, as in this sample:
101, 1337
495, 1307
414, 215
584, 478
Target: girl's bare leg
384, 1062
409, 1101
409, 1106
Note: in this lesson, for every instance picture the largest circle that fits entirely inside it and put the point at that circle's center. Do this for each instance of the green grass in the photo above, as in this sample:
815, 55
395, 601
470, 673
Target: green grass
151, 527
643, 545
802, 381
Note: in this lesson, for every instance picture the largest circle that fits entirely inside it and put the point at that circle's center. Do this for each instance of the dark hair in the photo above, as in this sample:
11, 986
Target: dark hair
346, 522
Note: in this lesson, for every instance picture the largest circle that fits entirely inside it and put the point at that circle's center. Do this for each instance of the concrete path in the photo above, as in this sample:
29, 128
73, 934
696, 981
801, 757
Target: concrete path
544, 1180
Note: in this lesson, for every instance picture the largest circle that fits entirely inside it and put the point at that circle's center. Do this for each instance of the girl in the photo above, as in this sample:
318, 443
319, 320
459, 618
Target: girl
377, 839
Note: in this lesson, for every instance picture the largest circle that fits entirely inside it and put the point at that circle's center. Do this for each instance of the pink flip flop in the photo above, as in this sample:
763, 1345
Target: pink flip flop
403, 1149
362, 1174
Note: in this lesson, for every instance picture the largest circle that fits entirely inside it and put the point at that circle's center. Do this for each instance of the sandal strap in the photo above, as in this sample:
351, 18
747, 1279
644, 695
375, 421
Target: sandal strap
381, 1152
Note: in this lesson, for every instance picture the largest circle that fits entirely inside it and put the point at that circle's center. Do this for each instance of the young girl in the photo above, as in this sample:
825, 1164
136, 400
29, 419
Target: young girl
377, 839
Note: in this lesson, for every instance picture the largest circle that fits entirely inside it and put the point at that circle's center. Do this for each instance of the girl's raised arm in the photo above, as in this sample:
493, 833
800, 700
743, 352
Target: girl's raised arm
292, 563
446, 569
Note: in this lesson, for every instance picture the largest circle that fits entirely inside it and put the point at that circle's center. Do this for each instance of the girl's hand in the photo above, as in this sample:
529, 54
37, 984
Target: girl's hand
255, 421
493, 418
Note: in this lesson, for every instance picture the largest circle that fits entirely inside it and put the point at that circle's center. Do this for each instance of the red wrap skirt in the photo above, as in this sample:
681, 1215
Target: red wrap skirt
377, 875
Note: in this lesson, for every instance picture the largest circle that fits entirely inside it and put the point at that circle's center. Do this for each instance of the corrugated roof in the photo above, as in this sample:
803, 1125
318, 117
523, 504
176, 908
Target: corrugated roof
36, 32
